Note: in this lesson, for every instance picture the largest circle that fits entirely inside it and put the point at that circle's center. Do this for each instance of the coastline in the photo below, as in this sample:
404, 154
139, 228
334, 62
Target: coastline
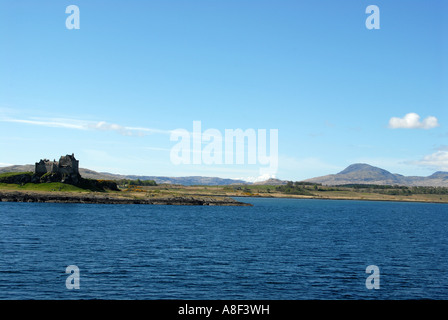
89, 198
342, 198
189, 199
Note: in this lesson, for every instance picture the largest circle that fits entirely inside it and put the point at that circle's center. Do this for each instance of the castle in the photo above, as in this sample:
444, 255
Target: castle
67, 166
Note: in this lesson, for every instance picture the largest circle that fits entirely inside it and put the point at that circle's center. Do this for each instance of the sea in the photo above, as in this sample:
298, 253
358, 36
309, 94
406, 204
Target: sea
278, 249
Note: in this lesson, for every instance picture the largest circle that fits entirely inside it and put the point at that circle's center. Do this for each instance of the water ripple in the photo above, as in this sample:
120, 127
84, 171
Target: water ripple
278, 249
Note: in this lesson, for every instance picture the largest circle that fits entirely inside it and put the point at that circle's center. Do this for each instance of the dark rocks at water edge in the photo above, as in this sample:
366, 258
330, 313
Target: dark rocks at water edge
104, 199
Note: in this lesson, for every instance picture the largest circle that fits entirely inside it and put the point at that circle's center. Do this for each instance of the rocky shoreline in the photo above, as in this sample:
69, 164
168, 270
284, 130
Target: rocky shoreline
17, 196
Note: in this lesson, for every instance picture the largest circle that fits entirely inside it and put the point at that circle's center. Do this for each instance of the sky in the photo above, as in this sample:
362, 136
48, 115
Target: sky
335, 91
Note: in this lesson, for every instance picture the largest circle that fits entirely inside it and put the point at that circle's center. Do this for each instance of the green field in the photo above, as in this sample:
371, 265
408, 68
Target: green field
13, 174
48, 187
26, 181
381, 193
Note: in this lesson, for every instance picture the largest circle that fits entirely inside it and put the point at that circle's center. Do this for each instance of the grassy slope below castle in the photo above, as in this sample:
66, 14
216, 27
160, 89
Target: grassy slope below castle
29, 181
52, 186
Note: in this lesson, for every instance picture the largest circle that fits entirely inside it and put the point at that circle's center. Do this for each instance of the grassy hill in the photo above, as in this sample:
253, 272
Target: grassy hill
52, 186
90, 174
362, 173
29, 181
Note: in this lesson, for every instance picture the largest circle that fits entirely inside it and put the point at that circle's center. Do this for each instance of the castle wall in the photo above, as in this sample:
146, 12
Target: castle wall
51, 167
67, 165
40, 168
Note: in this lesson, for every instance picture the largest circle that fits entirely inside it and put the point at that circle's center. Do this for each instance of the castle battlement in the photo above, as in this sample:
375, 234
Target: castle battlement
67, 165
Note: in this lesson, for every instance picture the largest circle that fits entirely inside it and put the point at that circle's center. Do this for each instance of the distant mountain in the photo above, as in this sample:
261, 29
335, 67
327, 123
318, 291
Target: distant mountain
361, 173
189, 181
90, 174
18, 168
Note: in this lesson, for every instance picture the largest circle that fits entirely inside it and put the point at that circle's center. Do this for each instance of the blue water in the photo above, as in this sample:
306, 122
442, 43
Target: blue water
277, 249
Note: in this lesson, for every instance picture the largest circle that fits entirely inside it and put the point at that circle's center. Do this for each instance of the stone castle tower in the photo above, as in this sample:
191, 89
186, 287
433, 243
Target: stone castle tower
66, 166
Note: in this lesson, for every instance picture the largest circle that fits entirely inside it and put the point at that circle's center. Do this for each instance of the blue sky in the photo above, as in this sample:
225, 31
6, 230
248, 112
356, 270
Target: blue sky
310, 69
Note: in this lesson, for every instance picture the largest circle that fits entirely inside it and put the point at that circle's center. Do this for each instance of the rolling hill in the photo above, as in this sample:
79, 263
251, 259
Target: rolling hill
361, 173
90, 174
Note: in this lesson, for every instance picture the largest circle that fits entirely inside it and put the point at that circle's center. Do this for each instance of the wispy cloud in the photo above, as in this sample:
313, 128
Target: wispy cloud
47, 123
260, 178
437, 160
149, 130
412, 121
105, 126
86, 125
156, 149
5, 164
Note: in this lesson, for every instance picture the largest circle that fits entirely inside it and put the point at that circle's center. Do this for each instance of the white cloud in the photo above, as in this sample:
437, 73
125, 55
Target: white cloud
437, 160
104, 126
412, 121
5, 164
261, 178
53, 123
150, 130
86, 125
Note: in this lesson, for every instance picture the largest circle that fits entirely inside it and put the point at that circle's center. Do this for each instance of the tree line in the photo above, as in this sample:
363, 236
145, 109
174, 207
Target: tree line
138, 182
